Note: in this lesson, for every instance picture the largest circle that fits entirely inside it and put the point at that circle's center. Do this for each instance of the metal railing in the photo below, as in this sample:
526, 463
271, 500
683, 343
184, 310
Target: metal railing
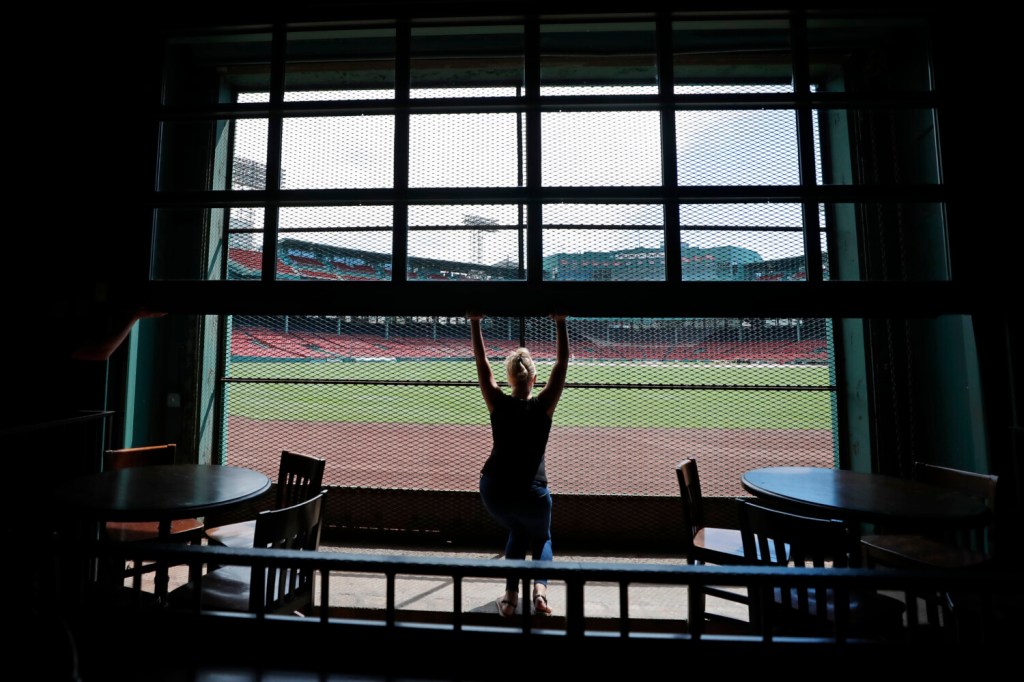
982, 617
983, 597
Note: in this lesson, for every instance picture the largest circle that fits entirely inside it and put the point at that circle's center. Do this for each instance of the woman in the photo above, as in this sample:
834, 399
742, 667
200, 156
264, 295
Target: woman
513, 482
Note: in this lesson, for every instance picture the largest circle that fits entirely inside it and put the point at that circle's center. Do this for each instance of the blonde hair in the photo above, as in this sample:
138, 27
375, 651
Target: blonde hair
519, 366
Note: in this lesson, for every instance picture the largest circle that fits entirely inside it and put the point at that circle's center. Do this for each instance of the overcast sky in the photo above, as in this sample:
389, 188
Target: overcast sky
742, 147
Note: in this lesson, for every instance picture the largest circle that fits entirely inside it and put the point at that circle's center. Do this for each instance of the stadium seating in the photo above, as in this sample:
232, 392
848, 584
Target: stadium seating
305, 261
316, 274
267, 343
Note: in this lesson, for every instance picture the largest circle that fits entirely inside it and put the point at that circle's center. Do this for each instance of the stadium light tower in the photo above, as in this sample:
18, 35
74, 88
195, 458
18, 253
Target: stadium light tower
247, 173
483, 225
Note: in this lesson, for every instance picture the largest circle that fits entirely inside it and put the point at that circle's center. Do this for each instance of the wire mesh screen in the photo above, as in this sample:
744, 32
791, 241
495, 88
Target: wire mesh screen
393, 403
606, 149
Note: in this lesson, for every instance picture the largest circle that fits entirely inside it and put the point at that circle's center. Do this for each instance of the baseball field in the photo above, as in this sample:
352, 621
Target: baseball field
618, 430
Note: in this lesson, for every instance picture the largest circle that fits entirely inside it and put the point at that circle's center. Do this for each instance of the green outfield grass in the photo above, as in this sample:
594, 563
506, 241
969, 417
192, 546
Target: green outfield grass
581, 405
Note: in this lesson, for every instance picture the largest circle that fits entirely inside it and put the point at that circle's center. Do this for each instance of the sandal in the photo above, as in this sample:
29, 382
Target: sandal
505, 607
540, 605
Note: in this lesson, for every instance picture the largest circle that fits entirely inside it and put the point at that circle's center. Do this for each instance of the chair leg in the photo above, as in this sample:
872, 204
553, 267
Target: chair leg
193, 569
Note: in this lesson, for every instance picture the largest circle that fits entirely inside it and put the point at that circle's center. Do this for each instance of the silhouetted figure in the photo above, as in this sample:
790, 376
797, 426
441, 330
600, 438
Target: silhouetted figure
513, 481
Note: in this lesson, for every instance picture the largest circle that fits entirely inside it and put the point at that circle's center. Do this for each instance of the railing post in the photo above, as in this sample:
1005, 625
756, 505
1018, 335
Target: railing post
457, 602
624, 608
390, 605
526, 603
574, 615
325, 595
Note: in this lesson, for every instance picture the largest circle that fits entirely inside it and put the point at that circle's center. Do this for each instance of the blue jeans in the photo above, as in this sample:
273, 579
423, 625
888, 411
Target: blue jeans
527, 517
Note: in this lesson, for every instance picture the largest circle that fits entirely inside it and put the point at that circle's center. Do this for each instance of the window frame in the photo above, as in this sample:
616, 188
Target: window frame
840, 300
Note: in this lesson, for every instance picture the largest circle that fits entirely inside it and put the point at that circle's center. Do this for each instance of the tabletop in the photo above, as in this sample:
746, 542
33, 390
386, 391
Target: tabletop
863, 497
160, 492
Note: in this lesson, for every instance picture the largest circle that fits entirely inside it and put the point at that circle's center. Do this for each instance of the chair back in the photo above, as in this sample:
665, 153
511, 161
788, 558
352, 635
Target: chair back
981, 536
286, 589
691, 496
123, 458
299, 477
778, 538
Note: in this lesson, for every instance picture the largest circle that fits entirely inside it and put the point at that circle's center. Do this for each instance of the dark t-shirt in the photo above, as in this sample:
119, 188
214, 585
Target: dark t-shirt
519, 429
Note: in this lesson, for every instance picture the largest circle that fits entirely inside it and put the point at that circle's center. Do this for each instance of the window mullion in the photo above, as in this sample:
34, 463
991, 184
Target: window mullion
669, 174
275, 127
400, 215
534, 232
805, 146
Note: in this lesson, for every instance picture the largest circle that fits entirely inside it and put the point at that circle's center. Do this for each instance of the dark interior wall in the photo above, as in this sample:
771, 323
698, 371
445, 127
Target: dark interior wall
82, 152
973, 58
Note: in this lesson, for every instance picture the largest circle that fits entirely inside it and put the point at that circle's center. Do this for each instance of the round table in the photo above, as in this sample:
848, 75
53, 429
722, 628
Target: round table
159, 493
862, 497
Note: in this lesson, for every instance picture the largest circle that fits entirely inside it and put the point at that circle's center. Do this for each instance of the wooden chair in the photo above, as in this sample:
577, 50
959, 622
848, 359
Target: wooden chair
182, 530
966, 547
273, 590
963, 547
705, 545
299, 477
774, 537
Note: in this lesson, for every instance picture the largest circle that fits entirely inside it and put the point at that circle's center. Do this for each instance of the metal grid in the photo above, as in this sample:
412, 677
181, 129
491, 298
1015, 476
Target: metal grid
609, 149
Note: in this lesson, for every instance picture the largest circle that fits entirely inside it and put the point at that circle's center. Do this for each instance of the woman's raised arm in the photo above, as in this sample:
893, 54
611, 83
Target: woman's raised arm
552, 390
488, 386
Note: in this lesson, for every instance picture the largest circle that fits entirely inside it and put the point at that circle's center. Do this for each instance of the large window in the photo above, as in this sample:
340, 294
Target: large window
402, 166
